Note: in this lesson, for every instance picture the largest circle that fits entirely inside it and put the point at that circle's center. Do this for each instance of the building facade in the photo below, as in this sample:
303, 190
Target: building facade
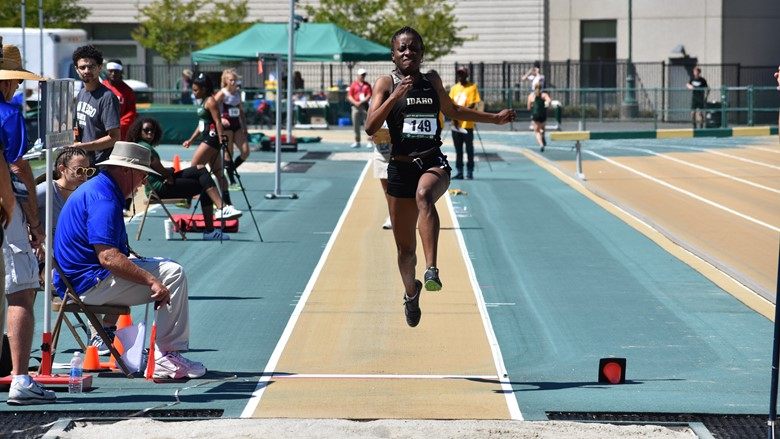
497, 30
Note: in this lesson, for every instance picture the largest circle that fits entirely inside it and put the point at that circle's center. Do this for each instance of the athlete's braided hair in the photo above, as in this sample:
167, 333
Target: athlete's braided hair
408, 30
63, 159
203, 81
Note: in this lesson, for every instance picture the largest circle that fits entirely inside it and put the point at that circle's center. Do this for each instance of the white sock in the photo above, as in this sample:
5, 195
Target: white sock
24, 379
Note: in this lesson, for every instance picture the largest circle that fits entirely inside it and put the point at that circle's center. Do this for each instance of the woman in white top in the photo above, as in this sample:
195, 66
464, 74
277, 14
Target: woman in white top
233, 121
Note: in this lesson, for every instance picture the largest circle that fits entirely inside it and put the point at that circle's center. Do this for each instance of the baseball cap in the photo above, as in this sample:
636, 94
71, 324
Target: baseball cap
362, 71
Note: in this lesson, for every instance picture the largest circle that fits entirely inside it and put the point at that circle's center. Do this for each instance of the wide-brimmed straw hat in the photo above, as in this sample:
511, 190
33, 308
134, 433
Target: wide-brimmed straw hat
11, 65
130, 155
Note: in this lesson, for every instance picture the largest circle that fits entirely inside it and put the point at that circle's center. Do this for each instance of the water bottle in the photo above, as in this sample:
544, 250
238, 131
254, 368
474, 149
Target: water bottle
76, 372
168, 224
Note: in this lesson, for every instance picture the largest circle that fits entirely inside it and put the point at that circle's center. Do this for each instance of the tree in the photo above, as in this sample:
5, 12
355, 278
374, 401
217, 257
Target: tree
166, 26
56, 13
433, 19
229, 21
174, 28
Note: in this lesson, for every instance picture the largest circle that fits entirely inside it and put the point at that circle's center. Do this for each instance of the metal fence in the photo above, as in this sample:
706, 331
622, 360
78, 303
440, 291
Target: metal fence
587, 90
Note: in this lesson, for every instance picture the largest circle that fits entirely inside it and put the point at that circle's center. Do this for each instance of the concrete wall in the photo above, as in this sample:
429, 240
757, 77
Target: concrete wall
658, 26
505, 30
502, 30
751, 32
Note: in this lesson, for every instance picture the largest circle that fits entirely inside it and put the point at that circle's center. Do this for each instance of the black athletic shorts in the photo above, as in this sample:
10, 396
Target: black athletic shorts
234, 124
402, 178
211, 139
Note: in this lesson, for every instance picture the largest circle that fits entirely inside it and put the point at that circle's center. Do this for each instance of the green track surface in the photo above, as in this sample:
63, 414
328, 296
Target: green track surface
566, 283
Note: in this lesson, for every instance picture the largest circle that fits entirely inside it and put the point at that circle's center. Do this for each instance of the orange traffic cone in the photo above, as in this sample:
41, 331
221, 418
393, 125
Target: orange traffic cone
91, 360
119, 348
124, 321
176, 163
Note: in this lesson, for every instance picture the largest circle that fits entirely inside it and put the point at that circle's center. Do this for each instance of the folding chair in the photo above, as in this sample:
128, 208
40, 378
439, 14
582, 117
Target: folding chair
73, 304
155, 199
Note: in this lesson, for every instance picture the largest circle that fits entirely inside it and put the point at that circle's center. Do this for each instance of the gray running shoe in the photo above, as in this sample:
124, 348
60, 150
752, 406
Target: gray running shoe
432, 281
412, 306
34, 393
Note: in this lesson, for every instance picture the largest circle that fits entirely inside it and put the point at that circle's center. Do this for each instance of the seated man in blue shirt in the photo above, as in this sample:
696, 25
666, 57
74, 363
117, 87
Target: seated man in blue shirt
92, 250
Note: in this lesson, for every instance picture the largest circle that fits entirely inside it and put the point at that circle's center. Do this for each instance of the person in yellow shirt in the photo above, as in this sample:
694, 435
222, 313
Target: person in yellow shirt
465, 94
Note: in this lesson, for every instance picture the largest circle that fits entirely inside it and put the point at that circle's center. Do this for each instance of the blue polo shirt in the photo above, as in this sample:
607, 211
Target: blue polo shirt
92, 215
13, 133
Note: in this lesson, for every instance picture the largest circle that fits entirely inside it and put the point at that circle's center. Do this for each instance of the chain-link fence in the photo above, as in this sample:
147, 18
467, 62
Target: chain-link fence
588, 91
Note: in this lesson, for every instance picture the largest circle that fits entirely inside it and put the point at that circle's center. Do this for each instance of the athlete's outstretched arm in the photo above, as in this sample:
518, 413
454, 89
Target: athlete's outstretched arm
459, 112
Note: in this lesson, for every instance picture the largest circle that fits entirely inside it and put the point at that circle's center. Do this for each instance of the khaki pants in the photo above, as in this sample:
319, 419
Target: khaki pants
358, 117
173, 330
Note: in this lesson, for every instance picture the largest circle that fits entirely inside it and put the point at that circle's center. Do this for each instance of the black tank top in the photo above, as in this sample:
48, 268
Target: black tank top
414, 121
537, 108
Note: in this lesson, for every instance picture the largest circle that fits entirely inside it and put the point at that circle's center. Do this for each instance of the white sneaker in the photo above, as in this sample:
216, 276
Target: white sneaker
387, 225
215, 235
173, 366
355, 145
227, 212
33, 393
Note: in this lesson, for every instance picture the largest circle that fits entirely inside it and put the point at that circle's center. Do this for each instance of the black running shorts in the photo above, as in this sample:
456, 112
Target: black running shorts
402, 178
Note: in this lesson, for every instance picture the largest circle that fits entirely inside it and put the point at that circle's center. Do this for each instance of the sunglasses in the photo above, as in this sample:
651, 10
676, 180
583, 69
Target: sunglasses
80, 171
148, 130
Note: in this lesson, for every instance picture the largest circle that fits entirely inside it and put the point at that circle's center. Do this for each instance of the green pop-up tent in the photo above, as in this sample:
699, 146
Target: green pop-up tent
313, 42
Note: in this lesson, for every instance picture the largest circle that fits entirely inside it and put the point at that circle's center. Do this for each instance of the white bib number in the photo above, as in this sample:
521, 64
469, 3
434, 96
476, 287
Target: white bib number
419, 126
233, 112
201, 125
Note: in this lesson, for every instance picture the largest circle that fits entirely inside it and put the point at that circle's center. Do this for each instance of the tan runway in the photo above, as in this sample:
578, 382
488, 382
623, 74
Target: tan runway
745, 250
352, 329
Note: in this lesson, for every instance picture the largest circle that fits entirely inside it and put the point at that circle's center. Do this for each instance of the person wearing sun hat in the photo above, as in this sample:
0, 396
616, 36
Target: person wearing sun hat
91, 247
20, 263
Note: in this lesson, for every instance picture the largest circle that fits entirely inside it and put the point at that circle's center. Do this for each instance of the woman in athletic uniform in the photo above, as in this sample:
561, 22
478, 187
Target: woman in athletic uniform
185, 183
211, 134
418, 173
538, 101
234, 121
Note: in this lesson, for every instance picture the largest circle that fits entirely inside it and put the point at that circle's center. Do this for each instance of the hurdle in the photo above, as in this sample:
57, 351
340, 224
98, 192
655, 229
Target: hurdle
679, 133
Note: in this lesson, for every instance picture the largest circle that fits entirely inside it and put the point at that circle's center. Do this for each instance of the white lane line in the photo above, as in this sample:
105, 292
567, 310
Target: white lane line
254, 401
776, 151
701, 168
498, 359
723, 154
685, 192
348, 376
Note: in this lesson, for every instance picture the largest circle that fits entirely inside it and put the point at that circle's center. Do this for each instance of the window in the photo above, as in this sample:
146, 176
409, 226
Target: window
598, 53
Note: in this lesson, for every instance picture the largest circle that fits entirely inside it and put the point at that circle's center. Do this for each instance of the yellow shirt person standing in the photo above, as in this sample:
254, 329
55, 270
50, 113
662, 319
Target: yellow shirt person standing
464, 94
